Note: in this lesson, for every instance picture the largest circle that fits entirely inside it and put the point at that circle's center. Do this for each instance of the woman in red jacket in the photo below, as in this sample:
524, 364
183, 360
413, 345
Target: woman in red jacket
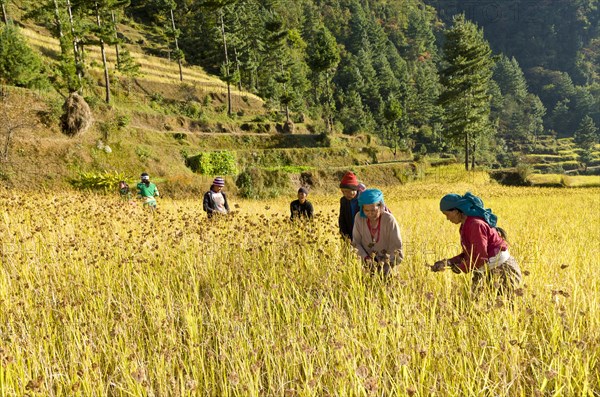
484, 250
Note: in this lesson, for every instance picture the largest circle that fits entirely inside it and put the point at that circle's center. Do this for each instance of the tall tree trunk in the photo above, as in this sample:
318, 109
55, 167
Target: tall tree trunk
177, 46
4, 14
329, 110
229, 111
287, 113
114, 21
467, 150
76, 52
104, 63
237, 67
466, 129
287, 107
58, 22
473, 156
256, 85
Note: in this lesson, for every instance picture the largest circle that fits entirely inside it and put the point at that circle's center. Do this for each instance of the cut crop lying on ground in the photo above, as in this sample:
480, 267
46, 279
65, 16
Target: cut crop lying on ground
100, 297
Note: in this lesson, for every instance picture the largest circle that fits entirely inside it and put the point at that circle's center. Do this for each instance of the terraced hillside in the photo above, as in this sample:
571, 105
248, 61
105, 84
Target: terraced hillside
558, 155
156, 123
153, 69
161, 125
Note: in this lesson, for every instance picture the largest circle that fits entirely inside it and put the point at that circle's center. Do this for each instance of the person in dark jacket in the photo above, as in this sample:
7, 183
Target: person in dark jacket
215, 200
301, 208
351, 190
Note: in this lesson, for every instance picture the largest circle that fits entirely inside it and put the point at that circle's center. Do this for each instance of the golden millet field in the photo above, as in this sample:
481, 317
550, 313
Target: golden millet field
102, 298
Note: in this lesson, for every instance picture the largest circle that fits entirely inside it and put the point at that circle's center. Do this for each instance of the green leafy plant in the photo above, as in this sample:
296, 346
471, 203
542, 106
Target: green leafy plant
107, 180
143, 153
214, 163
123, 120
19, 65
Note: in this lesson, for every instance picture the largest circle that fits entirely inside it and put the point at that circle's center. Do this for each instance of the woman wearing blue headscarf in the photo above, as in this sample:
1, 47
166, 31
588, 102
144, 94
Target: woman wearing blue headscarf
376, 233
484, 249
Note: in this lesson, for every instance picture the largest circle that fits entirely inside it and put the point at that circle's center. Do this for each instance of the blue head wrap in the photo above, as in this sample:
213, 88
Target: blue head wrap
470, 205
369, 196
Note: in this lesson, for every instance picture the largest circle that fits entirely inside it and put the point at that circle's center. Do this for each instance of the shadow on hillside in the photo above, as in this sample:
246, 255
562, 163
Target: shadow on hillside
50, 53
162, 53
141, 87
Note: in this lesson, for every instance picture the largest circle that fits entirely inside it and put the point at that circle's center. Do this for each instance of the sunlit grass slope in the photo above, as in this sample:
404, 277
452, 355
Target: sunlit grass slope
152, 68
99, 297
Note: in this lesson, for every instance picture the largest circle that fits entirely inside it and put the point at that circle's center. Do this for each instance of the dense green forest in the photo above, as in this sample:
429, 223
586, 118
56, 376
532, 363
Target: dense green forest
473, 78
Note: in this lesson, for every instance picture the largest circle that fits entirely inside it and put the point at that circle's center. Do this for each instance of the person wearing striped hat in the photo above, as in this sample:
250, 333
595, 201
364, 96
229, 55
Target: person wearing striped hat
215, 200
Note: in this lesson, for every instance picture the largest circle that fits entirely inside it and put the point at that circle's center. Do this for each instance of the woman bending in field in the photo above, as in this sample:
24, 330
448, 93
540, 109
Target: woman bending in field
484, 250
376, 233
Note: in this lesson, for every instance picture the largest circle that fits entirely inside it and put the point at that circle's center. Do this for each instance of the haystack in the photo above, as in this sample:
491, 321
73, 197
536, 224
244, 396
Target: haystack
77, 117
288, 127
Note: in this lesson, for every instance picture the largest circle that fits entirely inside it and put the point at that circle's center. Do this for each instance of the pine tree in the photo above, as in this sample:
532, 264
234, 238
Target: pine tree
393, 115
519, 113
533, 116
102, 29
466, 80
322, 59
369, 90
586, 135
163, 12
19, 65
510, 78
55, 16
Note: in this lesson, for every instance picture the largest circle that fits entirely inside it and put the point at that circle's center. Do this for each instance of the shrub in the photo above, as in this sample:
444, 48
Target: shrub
105, 181
51, 116
123, 120
246, 183
372, 152
191, 109
507, 159
509, 177
157, 97
524, 170
92, 101
106, 128
143, 152
19, 65
258, 183
213, 163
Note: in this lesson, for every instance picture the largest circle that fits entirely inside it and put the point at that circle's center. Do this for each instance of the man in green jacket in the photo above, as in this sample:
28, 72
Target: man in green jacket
147, 191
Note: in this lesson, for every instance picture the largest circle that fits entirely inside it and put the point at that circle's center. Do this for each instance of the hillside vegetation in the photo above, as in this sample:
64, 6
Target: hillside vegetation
319, 71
